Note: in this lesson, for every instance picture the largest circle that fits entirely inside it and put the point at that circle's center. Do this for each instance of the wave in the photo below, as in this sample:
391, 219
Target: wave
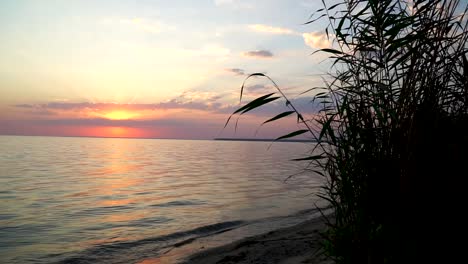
179, 203
132, 251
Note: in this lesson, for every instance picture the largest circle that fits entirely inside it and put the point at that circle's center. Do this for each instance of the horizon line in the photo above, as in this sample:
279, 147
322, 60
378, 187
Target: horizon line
210, 139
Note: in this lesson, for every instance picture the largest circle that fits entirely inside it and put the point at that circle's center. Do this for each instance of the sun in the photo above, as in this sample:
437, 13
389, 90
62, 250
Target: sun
120, 115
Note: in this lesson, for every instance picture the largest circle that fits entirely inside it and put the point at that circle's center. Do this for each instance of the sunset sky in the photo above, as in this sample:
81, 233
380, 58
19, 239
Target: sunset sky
152, 68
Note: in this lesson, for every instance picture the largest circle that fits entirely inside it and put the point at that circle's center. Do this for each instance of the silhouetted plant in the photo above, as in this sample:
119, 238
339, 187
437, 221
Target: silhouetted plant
393, 130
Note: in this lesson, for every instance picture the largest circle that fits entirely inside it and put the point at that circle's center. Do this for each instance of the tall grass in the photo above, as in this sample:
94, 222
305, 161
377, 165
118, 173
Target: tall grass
393, 130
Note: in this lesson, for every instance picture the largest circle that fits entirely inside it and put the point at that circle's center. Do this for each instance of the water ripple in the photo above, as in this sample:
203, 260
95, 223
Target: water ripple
81, 198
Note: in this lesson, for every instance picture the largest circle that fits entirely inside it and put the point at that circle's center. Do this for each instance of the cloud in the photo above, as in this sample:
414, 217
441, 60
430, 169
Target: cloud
256, 90
195, 103
179, 103
316, 40
209, 105
202, 117
115, 123
272, 30
259, 54
187, 101
236, 71
259, 89
158, 128
24, 105
199, 96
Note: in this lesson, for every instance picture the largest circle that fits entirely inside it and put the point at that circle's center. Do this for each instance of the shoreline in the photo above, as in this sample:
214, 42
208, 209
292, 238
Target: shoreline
281, 243
295, 244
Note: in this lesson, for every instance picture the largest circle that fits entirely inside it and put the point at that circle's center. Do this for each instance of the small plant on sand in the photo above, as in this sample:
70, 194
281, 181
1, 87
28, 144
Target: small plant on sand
392, 135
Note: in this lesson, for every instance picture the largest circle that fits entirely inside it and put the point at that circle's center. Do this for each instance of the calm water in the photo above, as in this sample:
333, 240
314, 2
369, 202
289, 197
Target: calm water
94, 200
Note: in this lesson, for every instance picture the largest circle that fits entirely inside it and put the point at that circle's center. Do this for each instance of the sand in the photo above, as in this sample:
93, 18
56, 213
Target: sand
296, 244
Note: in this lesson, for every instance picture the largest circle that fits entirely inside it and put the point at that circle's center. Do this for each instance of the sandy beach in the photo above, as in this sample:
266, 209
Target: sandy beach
296, 244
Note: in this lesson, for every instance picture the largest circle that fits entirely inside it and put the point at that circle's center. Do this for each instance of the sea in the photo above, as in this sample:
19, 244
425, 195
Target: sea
115, 200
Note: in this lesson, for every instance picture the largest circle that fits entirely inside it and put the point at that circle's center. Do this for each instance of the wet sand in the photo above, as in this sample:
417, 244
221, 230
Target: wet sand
296, 244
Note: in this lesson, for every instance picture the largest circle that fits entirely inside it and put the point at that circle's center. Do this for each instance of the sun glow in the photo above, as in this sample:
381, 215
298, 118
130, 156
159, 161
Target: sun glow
118, 132
120, 115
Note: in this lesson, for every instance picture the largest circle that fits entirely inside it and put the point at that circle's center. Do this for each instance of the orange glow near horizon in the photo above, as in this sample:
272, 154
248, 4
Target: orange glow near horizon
98, 131
124, 132
118, 132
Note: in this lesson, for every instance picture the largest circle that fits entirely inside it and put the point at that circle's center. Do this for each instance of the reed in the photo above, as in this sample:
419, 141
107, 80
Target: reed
392, 134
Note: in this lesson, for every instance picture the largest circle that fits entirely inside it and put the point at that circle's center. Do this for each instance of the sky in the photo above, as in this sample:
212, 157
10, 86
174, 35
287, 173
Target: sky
153, 68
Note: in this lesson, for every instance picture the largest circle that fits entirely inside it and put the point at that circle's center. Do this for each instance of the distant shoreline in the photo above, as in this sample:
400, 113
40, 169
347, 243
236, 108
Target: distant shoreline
266, 140
217, 139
